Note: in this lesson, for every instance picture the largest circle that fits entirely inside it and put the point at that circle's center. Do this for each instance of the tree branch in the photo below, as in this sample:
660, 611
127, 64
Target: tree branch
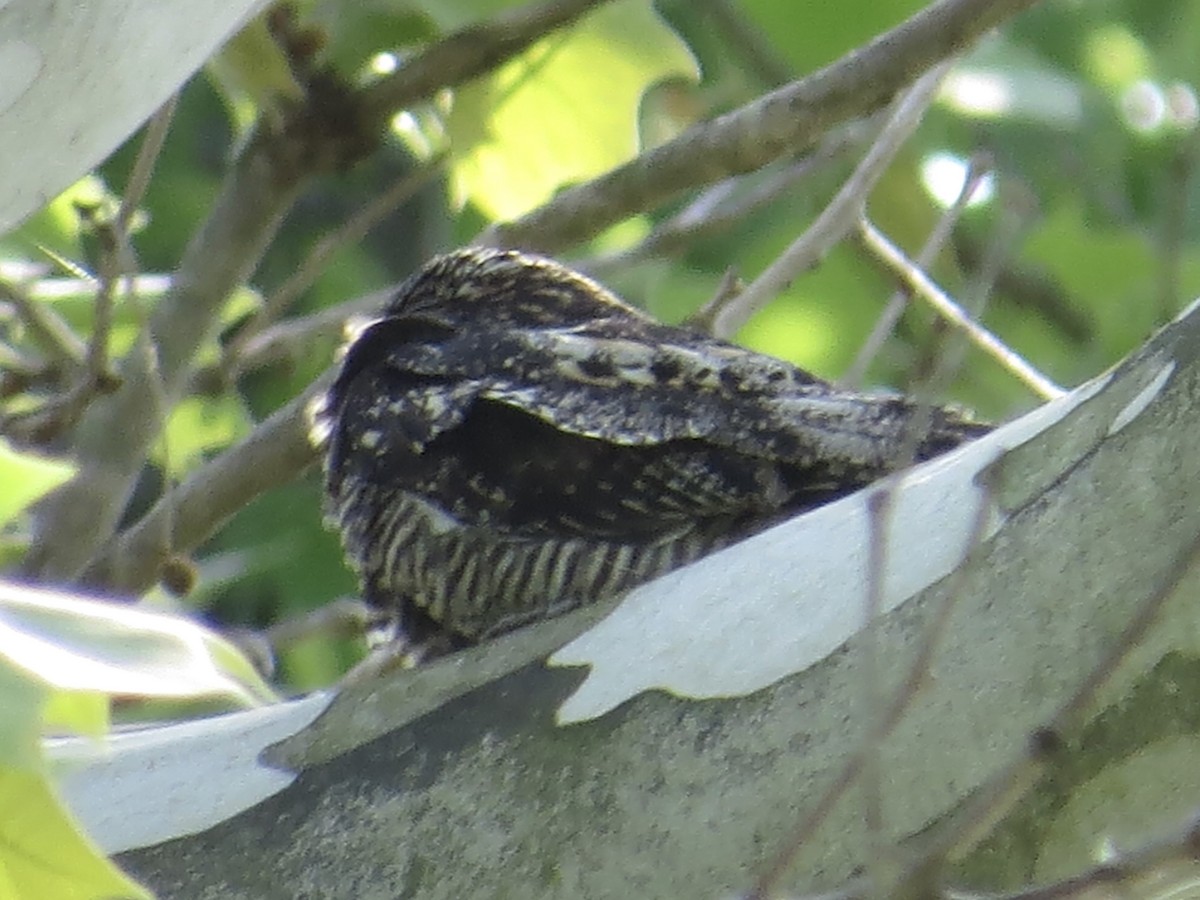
270, 456
785, 121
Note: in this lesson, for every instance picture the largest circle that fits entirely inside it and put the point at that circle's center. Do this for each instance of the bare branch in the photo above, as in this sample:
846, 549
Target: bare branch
143, 166
786, 121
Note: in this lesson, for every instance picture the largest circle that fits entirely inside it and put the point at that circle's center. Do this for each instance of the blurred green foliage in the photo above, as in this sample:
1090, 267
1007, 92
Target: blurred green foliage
1087, 111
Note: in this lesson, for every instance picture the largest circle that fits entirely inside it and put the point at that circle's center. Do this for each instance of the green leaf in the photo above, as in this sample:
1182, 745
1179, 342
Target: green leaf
79, 712
564, 111
201, 425
25, 478
22, 698
814, 34
252, 73
74, 644
43, 854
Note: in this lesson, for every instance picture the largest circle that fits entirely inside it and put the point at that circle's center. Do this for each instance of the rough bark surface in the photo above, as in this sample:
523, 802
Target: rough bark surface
484, 794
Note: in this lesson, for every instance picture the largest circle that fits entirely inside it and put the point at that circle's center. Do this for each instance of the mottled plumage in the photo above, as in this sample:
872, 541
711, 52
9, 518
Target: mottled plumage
508, 440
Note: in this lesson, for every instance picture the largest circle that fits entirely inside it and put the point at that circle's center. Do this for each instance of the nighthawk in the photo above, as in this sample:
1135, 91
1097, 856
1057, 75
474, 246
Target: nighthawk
508, 440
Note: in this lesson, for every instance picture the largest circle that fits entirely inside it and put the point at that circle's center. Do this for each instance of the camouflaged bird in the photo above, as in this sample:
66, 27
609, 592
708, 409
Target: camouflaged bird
508, 440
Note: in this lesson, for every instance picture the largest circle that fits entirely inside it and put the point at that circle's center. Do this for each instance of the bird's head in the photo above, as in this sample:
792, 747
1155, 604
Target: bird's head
503, 288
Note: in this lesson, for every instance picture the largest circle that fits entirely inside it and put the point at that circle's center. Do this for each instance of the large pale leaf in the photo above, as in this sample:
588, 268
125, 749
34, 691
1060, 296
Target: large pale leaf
74, 644
77, 78
60, 658
565, 110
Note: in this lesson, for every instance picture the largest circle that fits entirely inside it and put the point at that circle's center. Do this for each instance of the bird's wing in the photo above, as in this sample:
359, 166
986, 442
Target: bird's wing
625, 431
637, 383
515, 431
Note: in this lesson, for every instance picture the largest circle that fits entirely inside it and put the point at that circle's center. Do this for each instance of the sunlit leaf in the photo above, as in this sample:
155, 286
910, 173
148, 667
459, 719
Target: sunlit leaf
565, 110
252, 73
22, 698
56, 227
43, 854
25, 478
77, 712
201, 425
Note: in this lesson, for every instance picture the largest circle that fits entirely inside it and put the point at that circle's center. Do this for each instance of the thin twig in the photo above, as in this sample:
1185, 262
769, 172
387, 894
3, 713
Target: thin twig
118, 257
921, 284
1013, 221
343, 617
977, 169
728, 287
842, 212
143, 166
